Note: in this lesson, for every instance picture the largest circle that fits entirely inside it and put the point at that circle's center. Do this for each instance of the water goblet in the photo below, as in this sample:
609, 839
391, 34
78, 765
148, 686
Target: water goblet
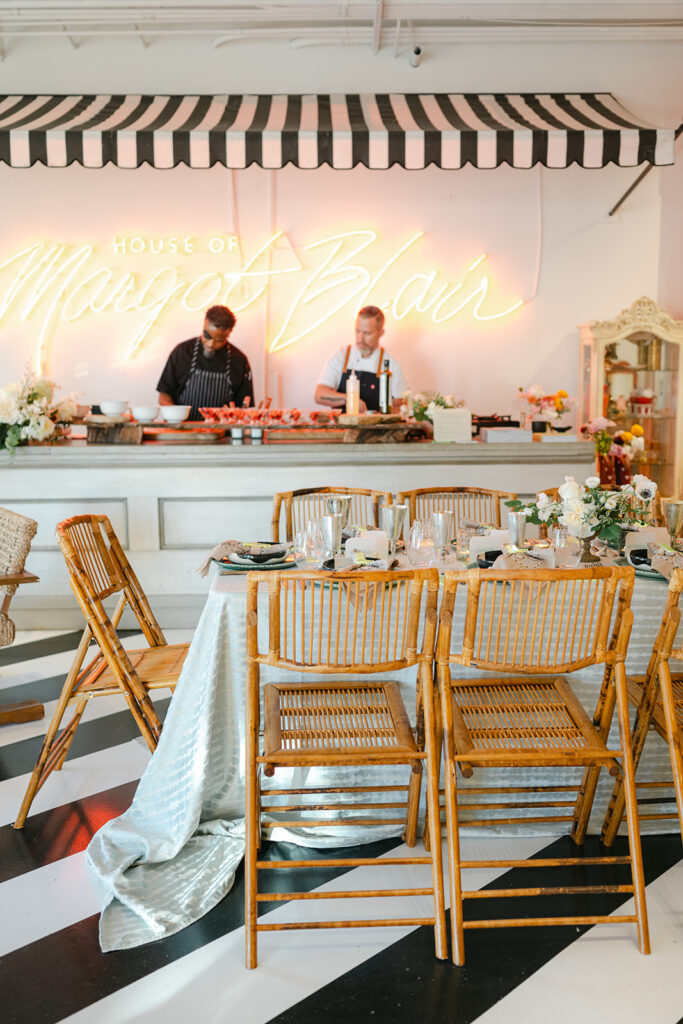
462, 542
339, 504
392, 518
673, 515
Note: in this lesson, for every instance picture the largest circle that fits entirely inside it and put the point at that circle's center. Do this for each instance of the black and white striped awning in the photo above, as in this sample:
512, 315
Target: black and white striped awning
378, 131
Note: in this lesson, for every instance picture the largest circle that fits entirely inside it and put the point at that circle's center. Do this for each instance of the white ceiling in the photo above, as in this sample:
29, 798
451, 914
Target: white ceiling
377, 24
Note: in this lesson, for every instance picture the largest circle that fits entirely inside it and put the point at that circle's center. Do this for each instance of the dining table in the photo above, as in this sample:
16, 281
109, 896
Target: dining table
172, 855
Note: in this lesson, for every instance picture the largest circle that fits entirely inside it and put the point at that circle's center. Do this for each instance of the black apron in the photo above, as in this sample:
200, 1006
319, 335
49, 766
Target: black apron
205, 389
368, 382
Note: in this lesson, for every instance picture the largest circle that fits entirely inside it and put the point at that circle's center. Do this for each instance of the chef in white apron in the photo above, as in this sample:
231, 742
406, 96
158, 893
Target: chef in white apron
207, 371
365, 359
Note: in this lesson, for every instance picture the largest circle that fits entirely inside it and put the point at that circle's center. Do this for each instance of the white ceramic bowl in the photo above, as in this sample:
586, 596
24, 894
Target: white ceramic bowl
113, 408
145, 413
175, 413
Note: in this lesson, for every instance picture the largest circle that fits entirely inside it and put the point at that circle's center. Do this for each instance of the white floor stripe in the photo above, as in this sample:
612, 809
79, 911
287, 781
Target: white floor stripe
214, 983
602, 976
80, 777
44, 901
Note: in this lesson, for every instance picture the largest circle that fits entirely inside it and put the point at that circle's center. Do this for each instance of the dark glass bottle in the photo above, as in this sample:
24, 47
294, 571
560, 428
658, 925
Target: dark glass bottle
385, 388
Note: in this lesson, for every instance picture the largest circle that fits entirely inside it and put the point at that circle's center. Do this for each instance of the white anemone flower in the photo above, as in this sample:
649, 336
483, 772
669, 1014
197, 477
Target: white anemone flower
569, 490
644, 487
592, 481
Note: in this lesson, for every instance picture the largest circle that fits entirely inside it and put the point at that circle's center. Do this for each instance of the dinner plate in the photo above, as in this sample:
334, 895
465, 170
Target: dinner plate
228, 567
259, 560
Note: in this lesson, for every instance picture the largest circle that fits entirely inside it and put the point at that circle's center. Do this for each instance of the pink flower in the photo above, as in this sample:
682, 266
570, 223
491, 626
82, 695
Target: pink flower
615, 450
598, 424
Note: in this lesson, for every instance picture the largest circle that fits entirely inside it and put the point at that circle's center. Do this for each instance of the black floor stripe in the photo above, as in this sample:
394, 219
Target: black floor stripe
405, 982
98, 734
60, 832
40, 648
49, 687
69, 972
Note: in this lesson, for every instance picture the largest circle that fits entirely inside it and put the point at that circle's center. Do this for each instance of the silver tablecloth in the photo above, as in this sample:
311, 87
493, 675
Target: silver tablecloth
172, 855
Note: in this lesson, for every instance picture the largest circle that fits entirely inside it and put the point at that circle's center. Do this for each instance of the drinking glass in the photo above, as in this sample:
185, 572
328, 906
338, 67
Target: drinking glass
421, 543
517, 528
332, 533
309, 547
673, 514
392, 518
339, 504
567, 549
462, 542
444, 527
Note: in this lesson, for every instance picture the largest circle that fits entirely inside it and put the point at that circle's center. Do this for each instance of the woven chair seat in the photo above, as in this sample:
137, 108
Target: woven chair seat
336, 718
636, 684
518, 715
156, 667
7, 631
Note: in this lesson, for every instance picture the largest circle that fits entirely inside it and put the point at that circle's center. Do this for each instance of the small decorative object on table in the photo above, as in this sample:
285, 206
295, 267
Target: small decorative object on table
28, 412
588, 512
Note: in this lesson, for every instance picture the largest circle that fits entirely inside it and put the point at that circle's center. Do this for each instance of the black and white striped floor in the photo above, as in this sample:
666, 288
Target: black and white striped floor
51, 968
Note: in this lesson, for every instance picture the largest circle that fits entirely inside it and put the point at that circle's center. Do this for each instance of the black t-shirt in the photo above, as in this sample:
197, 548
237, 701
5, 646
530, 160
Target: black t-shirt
177, 370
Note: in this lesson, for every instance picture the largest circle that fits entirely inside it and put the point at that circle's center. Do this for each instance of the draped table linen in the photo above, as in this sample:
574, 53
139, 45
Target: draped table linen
172, 855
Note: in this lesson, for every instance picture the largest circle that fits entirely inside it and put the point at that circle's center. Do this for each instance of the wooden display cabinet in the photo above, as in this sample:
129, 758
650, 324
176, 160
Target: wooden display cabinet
630, 372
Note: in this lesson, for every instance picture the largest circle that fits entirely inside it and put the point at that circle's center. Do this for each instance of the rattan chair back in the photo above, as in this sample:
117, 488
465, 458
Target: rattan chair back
468, 504
309, 504
535, 620
348, 622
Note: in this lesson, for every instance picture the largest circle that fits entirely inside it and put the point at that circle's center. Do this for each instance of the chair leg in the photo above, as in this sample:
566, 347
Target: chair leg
433, 766
591, 775
673, 735
41, 770
68, 739
252, 830
615, 811
413, 805
632, 809
453, 833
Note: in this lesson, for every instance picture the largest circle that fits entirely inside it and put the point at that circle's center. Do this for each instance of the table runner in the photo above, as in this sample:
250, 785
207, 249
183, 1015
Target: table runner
173, 854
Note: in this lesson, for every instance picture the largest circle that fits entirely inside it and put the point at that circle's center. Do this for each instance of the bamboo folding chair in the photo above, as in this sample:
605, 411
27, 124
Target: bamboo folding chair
16, 534
352, 625
535, 623
658, 700
474, 504
97, 569
303, 505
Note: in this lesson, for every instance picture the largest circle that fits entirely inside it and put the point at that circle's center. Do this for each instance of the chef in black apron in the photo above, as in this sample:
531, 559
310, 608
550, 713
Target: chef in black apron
365, 359
208, 371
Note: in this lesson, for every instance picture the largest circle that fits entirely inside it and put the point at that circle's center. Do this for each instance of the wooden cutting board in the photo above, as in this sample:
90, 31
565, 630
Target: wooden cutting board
367, 418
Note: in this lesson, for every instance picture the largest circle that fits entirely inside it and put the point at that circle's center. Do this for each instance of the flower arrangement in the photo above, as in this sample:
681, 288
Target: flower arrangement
28, 411
422, 405
624, 443
554, 406
587, 511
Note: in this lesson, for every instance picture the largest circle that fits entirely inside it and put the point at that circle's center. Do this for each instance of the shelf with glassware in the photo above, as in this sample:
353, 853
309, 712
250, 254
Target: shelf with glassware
629, 373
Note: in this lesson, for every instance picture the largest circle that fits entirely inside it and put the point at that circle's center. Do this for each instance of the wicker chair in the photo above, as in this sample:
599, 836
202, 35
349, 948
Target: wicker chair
475, 504
16, 534
309, 503
98, 568
353, 625
658, 699
535, 624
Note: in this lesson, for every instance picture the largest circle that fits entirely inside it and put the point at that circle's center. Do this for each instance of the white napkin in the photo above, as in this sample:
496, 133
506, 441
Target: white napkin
222, 550
370, 542
493, 541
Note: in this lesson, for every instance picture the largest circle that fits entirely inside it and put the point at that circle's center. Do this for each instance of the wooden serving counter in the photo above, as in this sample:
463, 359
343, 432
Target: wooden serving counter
171, 503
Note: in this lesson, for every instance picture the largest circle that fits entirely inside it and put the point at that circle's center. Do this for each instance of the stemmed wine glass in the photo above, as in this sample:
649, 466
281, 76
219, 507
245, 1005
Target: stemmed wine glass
421, 544
673, 514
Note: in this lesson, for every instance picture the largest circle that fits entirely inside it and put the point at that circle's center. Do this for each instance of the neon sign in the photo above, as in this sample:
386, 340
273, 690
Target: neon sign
49, 281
